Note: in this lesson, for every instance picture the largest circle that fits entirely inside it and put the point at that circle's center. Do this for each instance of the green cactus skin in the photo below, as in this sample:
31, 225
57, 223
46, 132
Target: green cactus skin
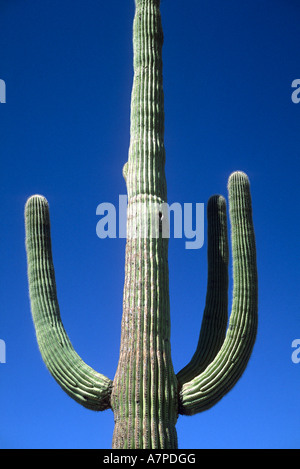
145, 386
145, 395
202, 390
214, 321
81, 382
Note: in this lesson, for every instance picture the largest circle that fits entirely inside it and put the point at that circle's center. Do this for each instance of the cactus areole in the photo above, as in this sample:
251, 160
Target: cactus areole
146, 396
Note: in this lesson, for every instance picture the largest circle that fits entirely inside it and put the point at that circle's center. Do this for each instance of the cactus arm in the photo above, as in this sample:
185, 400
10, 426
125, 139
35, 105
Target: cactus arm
215, 314
221, 375
78, 380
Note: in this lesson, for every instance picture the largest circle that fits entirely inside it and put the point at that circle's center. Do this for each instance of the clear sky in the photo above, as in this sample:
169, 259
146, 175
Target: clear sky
64, 133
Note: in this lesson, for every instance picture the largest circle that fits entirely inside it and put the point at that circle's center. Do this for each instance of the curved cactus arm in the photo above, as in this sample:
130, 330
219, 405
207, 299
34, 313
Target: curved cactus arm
78, 380
221, 375
215, 316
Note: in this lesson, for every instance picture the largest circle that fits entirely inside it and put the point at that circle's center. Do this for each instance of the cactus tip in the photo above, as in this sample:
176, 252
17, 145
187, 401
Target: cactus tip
238, 176
36, 199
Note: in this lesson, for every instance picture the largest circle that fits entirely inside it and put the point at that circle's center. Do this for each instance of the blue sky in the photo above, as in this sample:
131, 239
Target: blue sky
64, 133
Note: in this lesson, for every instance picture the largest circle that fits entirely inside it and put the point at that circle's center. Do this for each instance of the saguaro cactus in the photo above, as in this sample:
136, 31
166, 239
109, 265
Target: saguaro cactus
146, 395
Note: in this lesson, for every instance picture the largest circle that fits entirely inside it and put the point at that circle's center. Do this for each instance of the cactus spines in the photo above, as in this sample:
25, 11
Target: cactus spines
219, 376
145, 386
215, 316
146, 395
82, 383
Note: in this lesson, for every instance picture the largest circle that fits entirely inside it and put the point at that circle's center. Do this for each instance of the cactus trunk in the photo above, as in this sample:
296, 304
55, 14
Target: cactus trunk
144, 396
